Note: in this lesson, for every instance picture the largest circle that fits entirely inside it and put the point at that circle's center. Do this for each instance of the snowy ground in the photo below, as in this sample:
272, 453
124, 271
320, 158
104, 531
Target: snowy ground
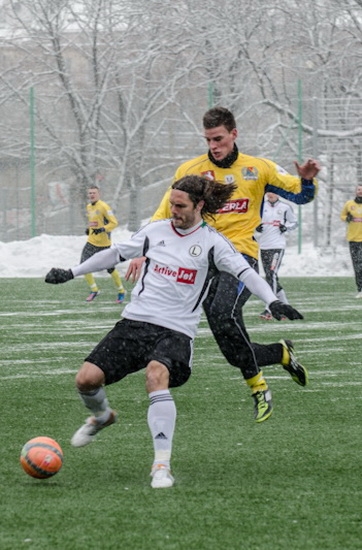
34, 257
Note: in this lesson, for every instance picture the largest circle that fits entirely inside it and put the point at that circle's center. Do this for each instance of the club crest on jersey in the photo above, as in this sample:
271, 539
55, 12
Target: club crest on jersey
195, 250
250, 173
209, 174
229, 179
180, 275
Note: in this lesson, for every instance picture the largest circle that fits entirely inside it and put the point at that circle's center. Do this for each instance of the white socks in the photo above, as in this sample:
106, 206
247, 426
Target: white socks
97, 402
161, 421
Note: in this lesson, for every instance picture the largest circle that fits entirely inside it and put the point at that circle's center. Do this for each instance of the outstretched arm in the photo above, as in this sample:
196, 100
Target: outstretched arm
258, 286
102, 260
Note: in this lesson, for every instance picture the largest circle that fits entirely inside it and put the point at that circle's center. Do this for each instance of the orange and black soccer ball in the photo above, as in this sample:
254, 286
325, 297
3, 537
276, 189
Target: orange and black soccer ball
41, 457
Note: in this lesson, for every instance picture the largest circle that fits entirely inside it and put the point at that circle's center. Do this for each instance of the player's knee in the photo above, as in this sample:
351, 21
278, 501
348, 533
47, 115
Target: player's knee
157, 376
89, 377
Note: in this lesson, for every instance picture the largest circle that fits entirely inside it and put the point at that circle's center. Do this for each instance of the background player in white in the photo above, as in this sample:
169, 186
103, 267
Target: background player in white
159, 324
278, 218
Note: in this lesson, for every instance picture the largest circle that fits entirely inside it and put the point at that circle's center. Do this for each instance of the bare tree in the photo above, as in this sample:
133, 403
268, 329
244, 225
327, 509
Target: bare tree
121, 86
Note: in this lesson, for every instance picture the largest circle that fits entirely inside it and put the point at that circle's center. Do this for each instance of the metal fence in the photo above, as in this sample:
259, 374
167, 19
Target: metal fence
26, 212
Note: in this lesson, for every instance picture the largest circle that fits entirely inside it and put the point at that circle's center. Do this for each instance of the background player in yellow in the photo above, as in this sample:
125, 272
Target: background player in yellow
352, 214
101, 221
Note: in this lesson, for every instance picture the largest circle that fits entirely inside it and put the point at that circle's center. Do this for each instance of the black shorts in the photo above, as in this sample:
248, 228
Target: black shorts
131, 345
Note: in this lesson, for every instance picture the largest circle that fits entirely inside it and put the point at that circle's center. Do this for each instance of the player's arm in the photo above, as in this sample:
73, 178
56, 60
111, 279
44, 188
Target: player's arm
112, 221
346, 215
102, 260
228, 259
291, 221
299, 189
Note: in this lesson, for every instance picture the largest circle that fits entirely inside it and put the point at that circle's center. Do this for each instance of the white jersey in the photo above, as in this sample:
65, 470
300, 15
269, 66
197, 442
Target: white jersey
177, 272
274, 215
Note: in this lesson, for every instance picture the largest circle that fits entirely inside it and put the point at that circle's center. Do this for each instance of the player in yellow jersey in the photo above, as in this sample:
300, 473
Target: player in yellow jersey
352, 214
237, 220
101, 221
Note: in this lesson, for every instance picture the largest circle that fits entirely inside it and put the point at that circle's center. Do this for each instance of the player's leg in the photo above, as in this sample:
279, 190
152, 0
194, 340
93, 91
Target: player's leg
223, 309
111, 360
87, 252
161, 420
266, 260
118, 284
90, 381
170, 367
359, 269
356, 257
277, 287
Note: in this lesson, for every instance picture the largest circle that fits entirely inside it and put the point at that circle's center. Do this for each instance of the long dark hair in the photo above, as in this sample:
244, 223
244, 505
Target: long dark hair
214, 193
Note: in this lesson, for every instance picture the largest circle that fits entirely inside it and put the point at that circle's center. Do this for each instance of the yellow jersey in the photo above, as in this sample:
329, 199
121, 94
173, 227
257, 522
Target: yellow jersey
100, 215
354, 227
240, 216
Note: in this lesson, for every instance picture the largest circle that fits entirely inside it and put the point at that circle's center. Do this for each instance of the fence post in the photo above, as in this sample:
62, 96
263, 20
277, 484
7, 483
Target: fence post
32, 162
300, 158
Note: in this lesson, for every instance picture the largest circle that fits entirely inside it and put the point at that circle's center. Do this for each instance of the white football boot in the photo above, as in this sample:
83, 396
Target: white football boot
86, 433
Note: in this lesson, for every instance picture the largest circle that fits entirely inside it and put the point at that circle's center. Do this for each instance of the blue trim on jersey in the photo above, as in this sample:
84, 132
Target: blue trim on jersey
306, 195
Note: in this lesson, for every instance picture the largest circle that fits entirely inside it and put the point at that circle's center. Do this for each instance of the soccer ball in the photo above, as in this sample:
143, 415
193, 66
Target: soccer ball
41, 457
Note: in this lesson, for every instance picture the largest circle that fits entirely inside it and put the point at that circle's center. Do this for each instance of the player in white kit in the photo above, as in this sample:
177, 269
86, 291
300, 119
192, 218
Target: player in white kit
159, 324
277, 220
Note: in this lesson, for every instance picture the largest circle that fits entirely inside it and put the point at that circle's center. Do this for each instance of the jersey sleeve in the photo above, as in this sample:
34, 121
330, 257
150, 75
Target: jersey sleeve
309, 189
291, 220
344, 211
105, 259
134, 247
293, 188
112, 221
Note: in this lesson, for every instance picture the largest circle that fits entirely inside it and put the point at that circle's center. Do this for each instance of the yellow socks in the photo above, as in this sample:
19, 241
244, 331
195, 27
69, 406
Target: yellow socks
257, 383
91, 282
117, 280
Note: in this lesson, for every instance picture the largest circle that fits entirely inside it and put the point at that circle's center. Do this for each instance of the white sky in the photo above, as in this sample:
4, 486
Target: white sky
34, 257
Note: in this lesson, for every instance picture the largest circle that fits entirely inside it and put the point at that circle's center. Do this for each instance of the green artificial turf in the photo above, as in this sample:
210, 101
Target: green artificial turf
292, 482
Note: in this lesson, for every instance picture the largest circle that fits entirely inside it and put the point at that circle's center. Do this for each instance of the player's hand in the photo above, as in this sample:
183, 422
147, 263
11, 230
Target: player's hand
283, 228
260, 228
98, 230
349, 217
309, 169
280, 310
134, 269
57, 276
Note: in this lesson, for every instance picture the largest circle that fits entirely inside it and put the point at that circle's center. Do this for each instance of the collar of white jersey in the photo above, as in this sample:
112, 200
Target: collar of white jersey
184, 232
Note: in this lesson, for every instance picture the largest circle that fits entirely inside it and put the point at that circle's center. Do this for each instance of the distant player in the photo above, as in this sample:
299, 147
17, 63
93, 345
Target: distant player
101, 221
278, 218
352, 214
183, 255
